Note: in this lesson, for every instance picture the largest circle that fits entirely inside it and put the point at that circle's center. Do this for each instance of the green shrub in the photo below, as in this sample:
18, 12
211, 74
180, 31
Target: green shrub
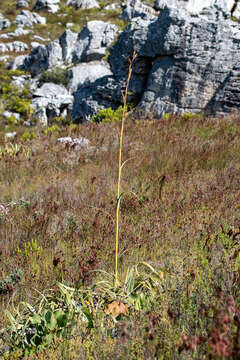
58, 76
30, 248
189, 116
52, 129
28, 136
167, 116
108, 115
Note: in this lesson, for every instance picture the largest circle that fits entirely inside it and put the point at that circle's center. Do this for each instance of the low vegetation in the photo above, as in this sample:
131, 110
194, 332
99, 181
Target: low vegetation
177, 295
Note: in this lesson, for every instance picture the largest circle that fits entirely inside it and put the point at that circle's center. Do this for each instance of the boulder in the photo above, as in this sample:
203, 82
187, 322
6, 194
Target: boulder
21, 81
77, 143
18, 32
4, 23
17, 63
11, 115
43, 57
93, 41
112, 7
4, 58
83, 4
236, 11
47, 5
50, 101
86, 73
15, 46
22, 4
9, 136
28, 19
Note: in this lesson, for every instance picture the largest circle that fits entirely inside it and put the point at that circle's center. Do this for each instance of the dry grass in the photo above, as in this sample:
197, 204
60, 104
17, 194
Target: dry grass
185, 178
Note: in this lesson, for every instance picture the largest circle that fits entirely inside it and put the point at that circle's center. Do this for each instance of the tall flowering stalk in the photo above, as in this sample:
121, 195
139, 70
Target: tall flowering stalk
121, 164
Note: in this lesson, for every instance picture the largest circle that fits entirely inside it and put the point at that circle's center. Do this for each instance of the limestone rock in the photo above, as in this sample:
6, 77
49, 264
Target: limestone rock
4, 58
9, 136
114, 6
50, 101
28, 19
9, 114
43, 57
22, 4
83, 4
17, 62
89, 99
87, 73
135, 8
47, 5
90, 44
192, 56
196, 6
93, 41
15, 46
67, 42
4, 23
76, 144
21, 81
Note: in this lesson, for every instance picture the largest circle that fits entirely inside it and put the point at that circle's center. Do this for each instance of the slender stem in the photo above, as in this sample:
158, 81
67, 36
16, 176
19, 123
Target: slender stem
124, 114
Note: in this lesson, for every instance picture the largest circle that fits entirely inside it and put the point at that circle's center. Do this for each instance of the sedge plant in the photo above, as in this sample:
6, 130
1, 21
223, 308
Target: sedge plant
121, 163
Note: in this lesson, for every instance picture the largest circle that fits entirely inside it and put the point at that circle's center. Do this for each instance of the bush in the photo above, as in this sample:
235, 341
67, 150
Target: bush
108, 115
52, 129
28, 136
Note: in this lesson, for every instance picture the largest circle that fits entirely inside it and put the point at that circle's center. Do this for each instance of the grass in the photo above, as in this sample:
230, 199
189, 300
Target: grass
180, 214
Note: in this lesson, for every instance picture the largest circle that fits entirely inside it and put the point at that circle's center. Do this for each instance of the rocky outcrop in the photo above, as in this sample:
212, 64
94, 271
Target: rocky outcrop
83, 4
50, 101
187, 61
47, 5
15, 46
28, 19
183, 61
91, 44
17, 32
228, 7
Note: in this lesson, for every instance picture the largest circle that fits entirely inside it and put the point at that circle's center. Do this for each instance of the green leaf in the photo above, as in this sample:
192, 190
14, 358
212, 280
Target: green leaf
48, 339
51, 321
35, 319
89, 318
61, 318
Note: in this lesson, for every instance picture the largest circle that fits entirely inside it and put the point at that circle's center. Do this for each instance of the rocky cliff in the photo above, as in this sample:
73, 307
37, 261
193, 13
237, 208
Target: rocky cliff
188, 57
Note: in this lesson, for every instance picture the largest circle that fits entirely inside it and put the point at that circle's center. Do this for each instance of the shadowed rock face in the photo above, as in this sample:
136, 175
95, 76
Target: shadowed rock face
194, 61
